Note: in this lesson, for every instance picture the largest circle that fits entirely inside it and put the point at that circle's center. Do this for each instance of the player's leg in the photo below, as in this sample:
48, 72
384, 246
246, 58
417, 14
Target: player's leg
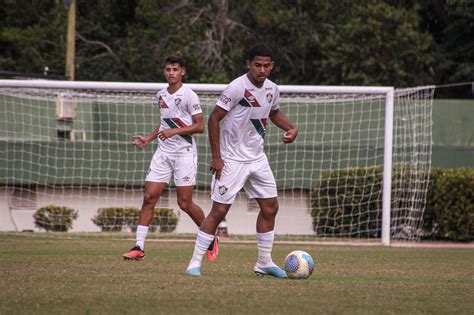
151, 195
223, 192
185, 178
205, 236
159, 174
186, 203
261, 186
265, 238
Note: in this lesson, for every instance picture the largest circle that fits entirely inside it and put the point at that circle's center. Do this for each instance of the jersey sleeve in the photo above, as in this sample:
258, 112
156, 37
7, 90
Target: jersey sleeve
194, 106
230, 96
276, 99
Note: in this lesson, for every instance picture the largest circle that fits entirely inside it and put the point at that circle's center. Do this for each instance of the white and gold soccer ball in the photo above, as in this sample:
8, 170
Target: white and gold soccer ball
299, 265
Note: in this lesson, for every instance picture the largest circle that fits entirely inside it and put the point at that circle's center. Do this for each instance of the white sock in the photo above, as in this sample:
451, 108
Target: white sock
142, 232
203, 240
265, 244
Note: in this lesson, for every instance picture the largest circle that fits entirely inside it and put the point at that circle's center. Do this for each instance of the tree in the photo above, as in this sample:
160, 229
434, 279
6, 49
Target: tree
374, 43
32, 37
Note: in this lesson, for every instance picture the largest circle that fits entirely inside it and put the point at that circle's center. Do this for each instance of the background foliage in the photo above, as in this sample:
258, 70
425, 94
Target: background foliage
449, 213
390, 42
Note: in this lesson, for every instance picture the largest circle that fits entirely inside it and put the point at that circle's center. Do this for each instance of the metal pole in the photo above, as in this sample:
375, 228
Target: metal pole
387, 169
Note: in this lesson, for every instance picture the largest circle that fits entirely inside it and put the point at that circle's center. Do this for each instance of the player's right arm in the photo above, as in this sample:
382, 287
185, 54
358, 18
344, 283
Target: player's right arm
213, 125
224, 104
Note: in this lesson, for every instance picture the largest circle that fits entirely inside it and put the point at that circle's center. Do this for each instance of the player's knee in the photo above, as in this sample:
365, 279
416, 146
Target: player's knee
271, 209
184, 204
217, 214
150, 198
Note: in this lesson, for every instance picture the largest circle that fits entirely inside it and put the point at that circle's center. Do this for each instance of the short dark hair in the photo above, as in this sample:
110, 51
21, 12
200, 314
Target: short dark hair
175, 59
261, 50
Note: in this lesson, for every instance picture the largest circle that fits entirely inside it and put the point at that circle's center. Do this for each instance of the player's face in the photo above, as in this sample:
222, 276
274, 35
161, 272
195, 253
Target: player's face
259, 69
173, 73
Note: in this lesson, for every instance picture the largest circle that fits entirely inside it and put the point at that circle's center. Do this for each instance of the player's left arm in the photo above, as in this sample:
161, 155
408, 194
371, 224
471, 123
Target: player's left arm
196, 127
281, 121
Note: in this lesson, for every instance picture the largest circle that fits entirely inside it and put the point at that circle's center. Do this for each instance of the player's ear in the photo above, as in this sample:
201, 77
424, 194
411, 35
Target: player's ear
247, 63
183, 71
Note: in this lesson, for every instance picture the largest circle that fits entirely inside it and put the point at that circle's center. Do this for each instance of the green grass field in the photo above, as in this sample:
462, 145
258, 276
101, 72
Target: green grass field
54, 275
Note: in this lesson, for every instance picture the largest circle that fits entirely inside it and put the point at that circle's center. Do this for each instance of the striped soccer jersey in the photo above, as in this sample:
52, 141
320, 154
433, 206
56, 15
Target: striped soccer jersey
176, 111
244, 127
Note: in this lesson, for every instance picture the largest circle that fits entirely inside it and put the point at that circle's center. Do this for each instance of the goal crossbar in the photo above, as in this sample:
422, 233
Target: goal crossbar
198, 87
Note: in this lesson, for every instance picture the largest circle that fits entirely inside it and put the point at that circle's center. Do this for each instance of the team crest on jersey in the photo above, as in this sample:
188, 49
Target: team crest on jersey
177, 101
269, 97
222, 190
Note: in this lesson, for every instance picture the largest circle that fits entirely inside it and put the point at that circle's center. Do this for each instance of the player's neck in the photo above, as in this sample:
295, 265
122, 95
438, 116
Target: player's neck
172, 88
257, 84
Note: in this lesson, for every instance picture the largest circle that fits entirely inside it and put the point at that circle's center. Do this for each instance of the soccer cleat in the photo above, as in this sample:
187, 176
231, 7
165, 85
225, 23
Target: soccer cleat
212, 253
194, 271
135, 253
270, 271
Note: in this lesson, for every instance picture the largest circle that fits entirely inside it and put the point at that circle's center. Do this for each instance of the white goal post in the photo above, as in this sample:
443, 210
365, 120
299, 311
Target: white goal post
359, 168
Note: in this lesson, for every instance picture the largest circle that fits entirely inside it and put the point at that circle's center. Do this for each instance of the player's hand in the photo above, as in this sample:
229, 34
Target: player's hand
165, 134
290, 135
139, 141
217, 164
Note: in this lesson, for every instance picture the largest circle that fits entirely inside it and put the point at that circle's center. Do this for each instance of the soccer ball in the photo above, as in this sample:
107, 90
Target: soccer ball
299, 265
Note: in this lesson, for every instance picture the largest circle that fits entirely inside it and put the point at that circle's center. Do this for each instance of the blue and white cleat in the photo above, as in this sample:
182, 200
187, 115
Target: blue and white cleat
270, 271
194, 272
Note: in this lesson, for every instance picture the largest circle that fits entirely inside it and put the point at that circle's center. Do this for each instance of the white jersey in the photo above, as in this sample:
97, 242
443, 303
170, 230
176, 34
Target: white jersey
176, 111
243, 130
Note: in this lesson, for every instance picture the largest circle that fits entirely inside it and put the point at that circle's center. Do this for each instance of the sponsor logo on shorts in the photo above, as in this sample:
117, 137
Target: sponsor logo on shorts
186, 179
222, 190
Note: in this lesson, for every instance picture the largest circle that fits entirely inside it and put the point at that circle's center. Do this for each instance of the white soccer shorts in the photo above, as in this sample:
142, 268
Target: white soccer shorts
256, 178
164, 165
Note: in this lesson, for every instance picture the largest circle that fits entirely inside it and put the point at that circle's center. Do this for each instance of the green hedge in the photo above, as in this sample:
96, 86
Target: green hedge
348, 202
449, 211
116, 219
55, 218
332, 207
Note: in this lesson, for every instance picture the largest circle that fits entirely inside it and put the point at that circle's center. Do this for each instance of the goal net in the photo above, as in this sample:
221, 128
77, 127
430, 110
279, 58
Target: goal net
359, 168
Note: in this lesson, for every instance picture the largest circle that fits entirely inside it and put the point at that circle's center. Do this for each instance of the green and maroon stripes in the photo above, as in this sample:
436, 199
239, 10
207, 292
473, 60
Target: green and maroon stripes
249, 100
260, 125
178, 123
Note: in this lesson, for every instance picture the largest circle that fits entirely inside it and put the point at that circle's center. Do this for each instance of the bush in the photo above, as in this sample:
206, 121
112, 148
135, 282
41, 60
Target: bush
336, 204
345, 201
164, 220
449, 211
167, 219
55, 218
116, 219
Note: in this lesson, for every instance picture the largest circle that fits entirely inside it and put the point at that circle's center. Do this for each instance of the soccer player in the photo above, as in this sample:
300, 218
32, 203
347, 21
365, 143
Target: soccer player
181, 117
238, 159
